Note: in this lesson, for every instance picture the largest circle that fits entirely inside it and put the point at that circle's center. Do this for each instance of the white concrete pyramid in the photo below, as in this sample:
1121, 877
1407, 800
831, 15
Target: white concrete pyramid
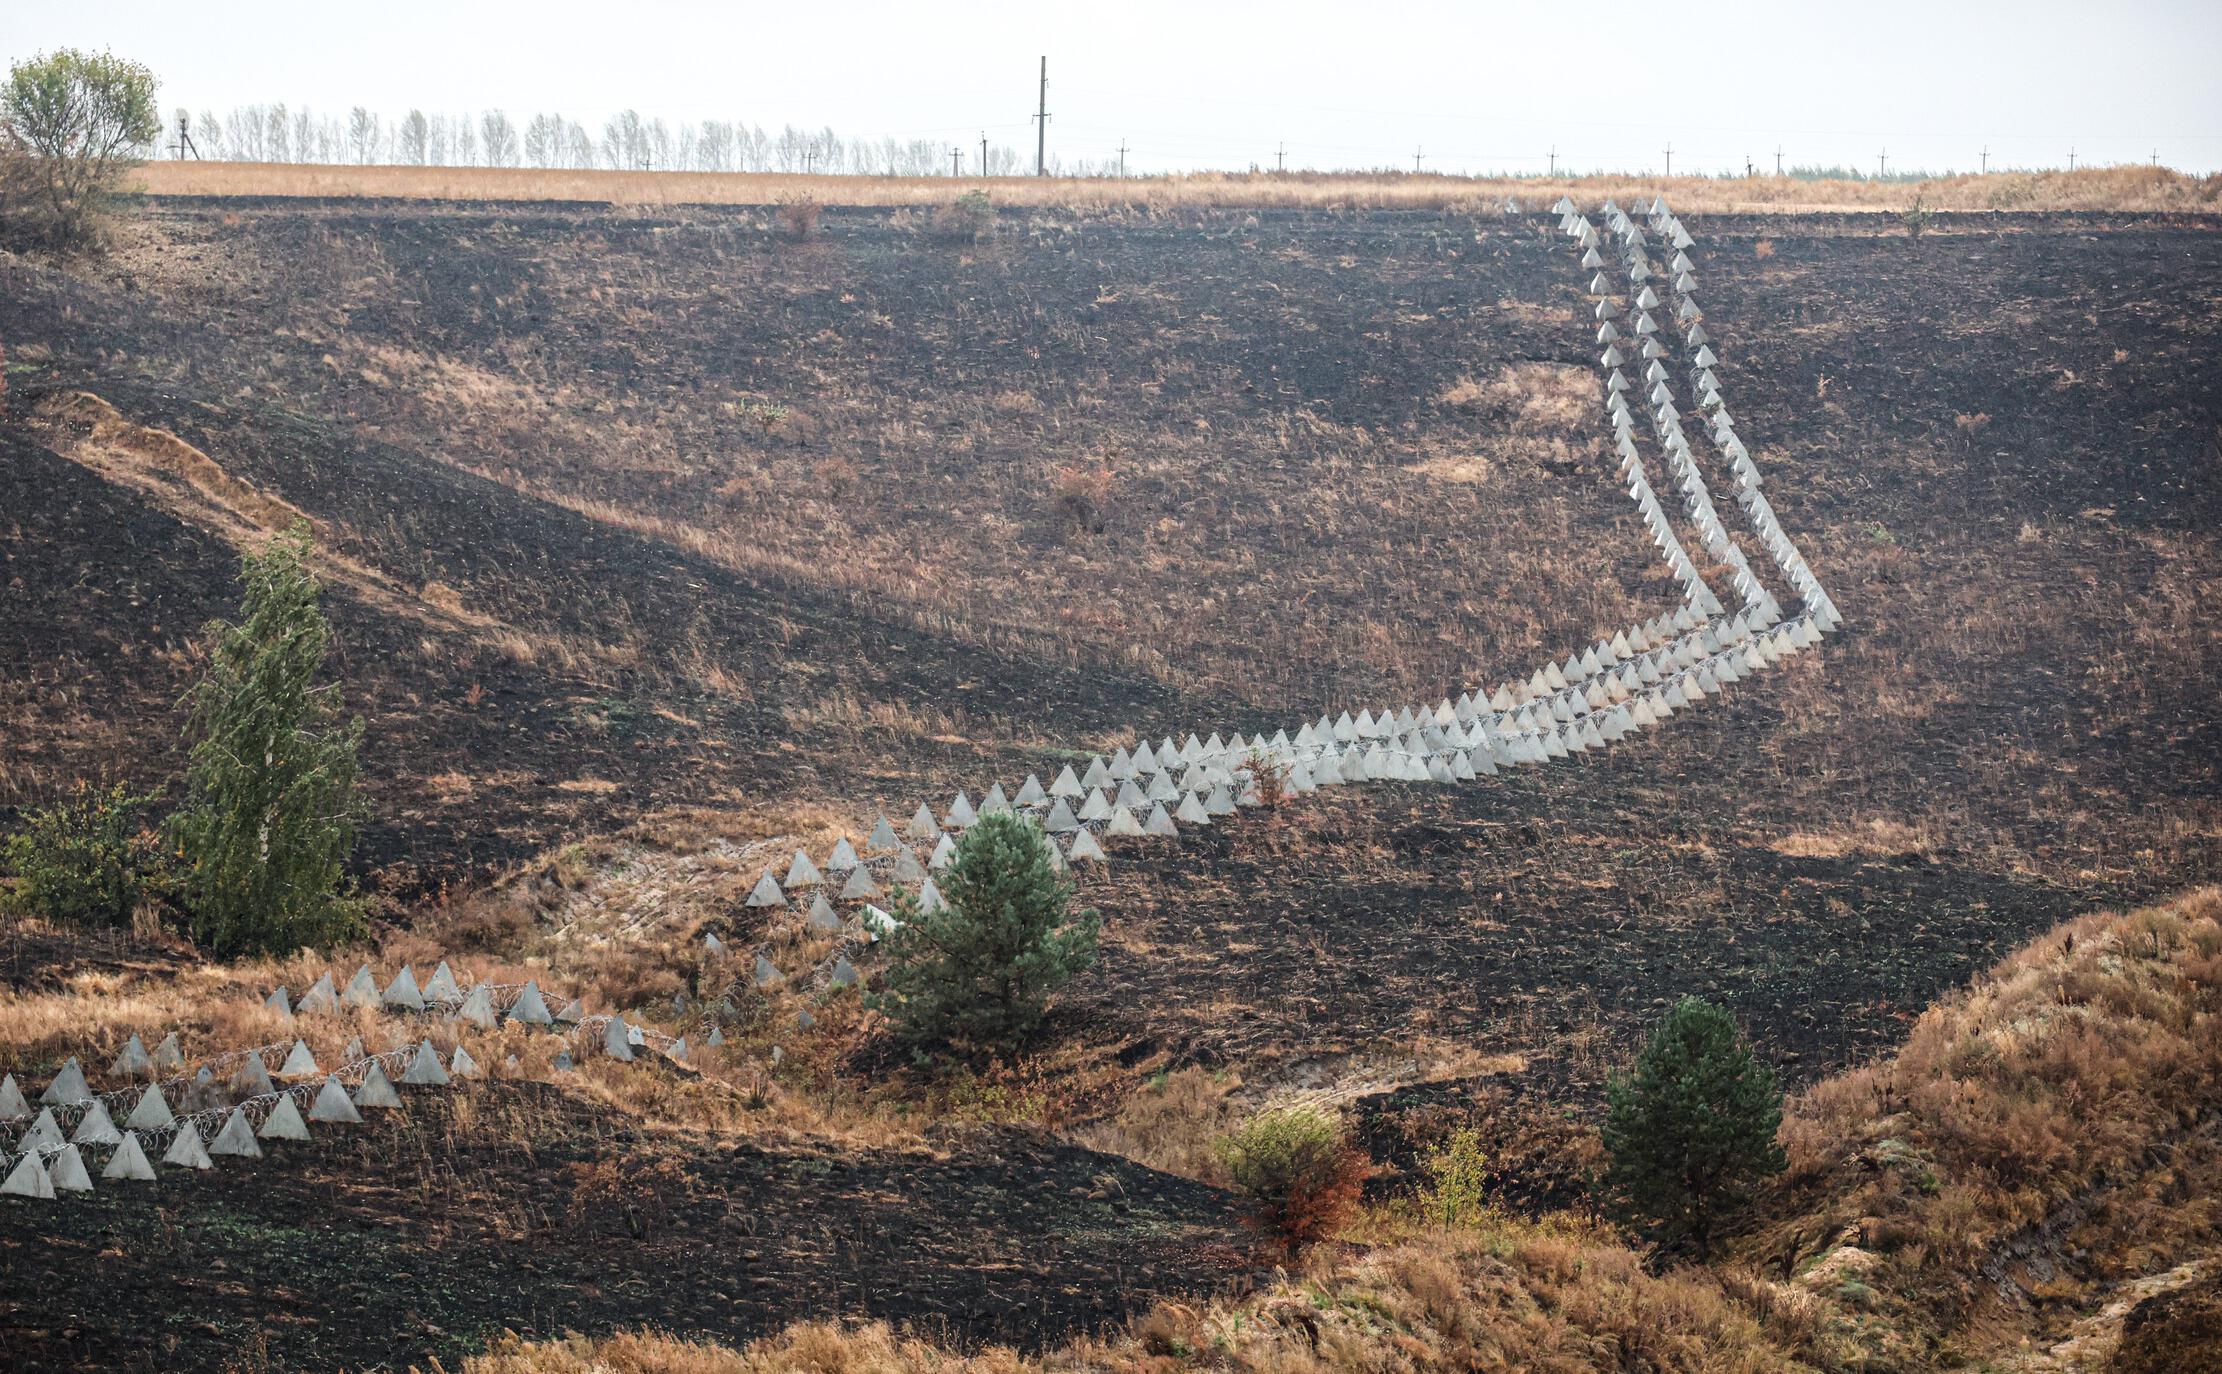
1191, 811
906, 867
44, 1133
823, 918
1030, 792
425, 1069
844, 973
95, 1127
843, 858
361, 991
169, 1056
711, 944
462, 1065
237, 1137
152, 1113
28, 1179
945, 853
1160, 824
1084, 847
923, 826
994, 801
403, 991
186, 1150
320, 997
961, 815
441, 986
284, 1122
129, 1161
1065, 785
1061, 819
67, 1172
882, 838
132, 1060
767, 973
12, 1103
478, 1007
376, 1090
859, 885
616, 1043
1122, 823
529, 1008
766, 892
251, 1079
801, 872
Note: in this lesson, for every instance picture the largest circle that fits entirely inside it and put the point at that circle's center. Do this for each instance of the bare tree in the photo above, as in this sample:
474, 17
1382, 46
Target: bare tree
413, 139
578, 146
363, 140
499, 138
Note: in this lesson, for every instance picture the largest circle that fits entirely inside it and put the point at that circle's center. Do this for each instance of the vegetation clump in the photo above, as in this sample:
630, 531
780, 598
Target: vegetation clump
1692, 1128
71, 124
1298, 1164
270, 811
967, 219
88, 860
976, 972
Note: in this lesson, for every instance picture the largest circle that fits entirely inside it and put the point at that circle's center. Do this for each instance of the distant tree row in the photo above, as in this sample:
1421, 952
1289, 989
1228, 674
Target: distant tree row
626, 141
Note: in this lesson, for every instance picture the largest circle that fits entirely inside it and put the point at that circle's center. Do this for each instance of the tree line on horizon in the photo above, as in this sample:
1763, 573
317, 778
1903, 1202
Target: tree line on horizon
627, 141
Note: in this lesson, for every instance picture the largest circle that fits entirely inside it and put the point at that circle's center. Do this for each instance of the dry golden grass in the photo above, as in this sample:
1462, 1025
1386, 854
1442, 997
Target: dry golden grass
2102, 188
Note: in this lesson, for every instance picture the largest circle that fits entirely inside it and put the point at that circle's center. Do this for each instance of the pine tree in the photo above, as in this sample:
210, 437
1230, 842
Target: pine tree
977, 971
1692, 1128
270, 810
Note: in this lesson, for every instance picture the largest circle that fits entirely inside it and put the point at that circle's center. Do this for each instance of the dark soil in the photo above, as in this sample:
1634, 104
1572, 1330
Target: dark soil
399, 1241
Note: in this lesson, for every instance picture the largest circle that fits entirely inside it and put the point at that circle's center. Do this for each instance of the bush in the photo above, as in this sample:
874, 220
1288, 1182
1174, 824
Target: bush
1457, 1193
798, 218
270, 811
976, 973
1692, 1128
967, 219
85, 861
1916, 219
71, 124
1298, 1164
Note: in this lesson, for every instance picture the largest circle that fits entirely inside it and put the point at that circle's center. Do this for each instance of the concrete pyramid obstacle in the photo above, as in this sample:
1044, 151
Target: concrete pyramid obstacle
766, 892
945, 853
169, 1056
251, 1079
441, 986
844, 973
95, 1127
712, 944
132, 1061
571, 1013
562, 1062
67, 1172
186, 1150
961, 815
616, 1043
353, 1052
320, 997
823, 918
529, 1008
1122, 823
882, 838
715, 1037
299, 1063
28, 1179
237, 1137
859, 885
1030, 792
843, 858
923, 826
1191, 811
802, 873
152, 1113
1060, 819
12, 1103
994, 801
425, 1069
1084, 847
929, 896
1160, 825
462, 1065
478, 1007
767, 973
361, 990
376, 1090
1065, 785
1095, 806
44, 1134
129, 1162
403, 991
907, 869
284, 1122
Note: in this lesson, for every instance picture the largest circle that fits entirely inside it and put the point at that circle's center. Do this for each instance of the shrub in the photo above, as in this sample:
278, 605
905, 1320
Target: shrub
71, 124
1298, 1164
85, 861
798, 218
967, 219
1457, 1193
1083, 495
976, 973
1692, 1128
270, 811
1916, 219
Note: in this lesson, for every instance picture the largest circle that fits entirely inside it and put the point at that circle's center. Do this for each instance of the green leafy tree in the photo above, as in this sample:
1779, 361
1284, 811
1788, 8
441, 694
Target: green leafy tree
71, 124
87, 860
270, 810
1692, 1128
977, 972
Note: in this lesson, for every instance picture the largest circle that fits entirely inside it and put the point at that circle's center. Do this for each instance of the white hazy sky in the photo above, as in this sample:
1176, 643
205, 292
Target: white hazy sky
1480, 86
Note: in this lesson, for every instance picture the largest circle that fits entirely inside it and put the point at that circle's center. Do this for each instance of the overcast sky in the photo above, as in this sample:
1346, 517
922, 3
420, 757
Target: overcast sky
1474, 86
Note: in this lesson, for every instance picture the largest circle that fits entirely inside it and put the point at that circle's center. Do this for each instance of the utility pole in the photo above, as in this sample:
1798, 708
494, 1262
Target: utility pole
1417, 154
1280, 157
1670, 159
1749, 170
956, 161
1041, 118
1882, 164
2071, 159
983, 155
2156, 157
1122, 159
809, 161
1986, 159
1554, 159
1778, 159
184, 142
